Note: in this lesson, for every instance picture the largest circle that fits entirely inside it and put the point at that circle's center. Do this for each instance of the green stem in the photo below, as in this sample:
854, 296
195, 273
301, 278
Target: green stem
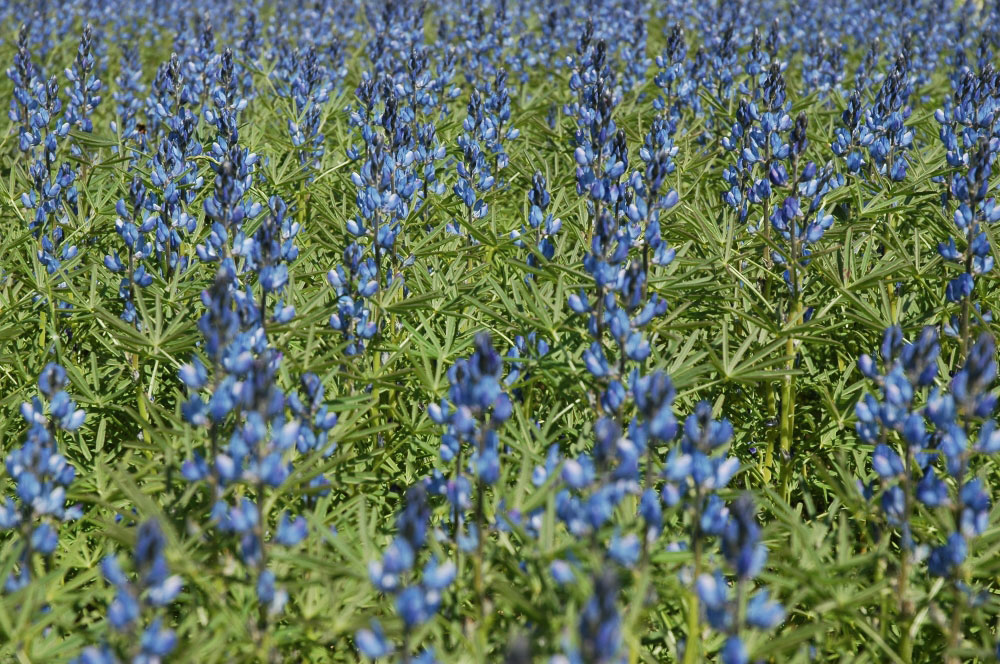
691, 647
140, 396
480, 527
905, 606
788, 398
955, 629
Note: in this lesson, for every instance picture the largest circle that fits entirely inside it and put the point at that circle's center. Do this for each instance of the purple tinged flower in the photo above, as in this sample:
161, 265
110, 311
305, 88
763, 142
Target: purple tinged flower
762, 612
886, 462
158, 641
412, 607
578, 473
372, 642
945, 559
712, 592
624, 550
893, 504
976, 507
123, 611
291, 532
734, 651
438, 576
989, 438
269, 595
95, 655
44, 539
562, 572
932, 491
714, 516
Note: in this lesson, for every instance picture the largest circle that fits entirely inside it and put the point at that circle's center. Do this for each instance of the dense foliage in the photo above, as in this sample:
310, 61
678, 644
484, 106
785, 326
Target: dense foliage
584, 333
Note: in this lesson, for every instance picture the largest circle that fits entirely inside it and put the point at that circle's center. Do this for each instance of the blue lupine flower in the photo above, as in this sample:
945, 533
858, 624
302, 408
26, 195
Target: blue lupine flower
886, 120
305, 80
478, 408
745, 555
970, 190
264, 425
372, 642
387, 182
36, 105
41, 474
153, 588
476, 176
853, 137
543, 225
673, 79
595, 84
417, 596
228, 207
268, 252
355, 282
599, 628
82, 97
24, 102
909, 371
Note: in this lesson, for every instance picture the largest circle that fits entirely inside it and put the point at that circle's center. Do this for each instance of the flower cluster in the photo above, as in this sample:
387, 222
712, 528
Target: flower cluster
543, 225
36, 106
128, 100
418, 596
387, 184
476, 176
886, 120
968, 125
758, 139
914, 464
745, 556
478, 408
41, 474
302, 78
600, 161
153, 589
82, 95
134, 225
267, 253
247, 405
679, 88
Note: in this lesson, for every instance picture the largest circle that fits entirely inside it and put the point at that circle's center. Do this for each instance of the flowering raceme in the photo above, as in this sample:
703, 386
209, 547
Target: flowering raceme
134, 225
153, 590
36, 106
388, 188
968, 123
745, 556
246, 404
542, 223
418, 595
961, 427
478, 408
306, 82
41, 474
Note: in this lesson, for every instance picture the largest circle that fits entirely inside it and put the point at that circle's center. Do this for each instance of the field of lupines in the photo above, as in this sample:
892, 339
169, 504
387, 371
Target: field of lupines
567, 332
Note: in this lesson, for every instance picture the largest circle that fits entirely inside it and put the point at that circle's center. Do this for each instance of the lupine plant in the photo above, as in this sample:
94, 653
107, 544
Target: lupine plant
41, 474
476, 409
915, 476
543, 226
742, 611
153, 589
418, 596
